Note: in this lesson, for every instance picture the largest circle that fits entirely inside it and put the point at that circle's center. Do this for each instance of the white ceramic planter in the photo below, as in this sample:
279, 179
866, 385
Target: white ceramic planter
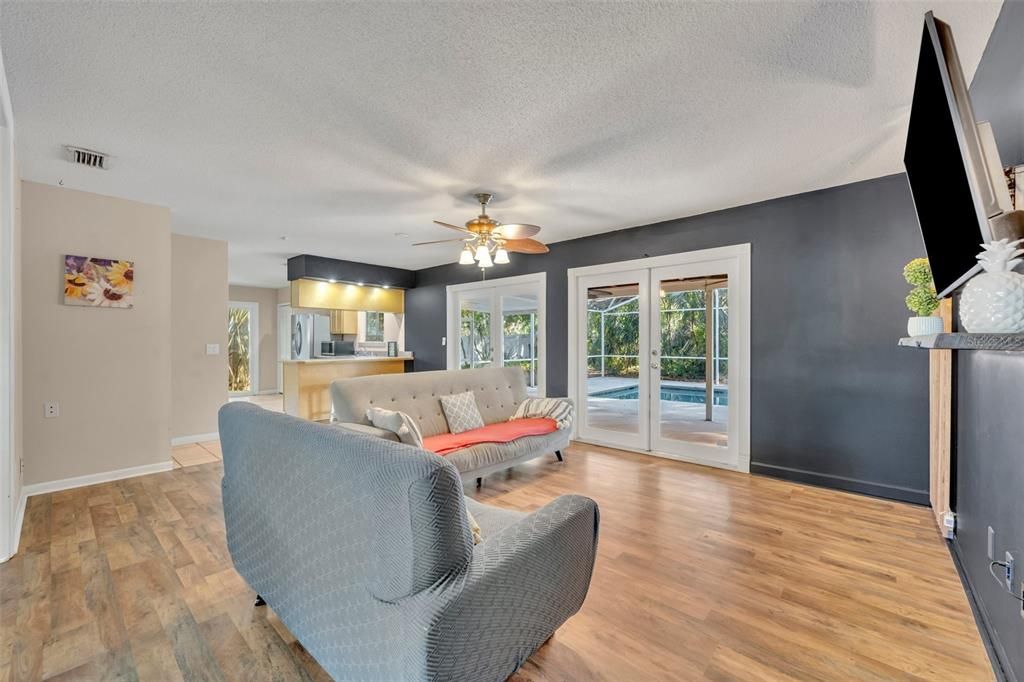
923, 326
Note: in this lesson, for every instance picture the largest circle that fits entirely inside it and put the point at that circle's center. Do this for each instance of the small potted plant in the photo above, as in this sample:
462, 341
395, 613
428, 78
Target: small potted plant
921, 299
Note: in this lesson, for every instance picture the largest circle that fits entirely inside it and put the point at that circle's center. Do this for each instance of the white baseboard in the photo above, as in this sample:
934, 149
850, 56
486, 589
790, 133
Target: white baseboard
197, 438
75, 482
93, 479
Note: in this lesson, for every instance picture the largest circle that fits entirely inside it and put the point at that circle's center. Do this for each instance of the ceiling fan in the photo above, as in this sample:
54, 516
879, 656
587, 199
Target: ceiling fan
489, 242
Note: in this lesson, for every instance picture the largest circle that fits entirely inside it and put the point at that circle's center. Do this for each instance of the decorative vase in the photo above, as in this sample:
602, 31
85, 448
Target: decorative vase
922, 326
993, 302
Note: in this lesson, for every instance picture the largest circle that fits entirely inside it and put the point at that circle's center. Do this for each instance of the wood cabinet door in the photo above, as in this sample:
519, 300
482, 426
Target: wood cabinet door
344, 322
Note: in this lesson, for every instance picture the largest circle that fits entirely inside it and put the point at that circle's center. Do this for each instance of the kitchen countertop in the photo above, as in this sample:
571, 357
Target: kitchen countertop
348, 358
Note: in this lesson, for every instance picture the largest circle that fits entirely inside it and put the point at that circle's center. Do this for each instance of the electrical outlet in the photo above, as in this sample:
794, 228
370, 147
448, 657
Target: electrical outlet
1009, 572
51, 410
444, 340
991, 544
213, 349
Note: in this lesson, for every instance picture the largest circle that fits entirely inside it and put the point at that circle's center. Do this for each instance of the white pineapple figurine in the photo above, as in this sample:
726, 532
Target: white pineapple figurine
993, 301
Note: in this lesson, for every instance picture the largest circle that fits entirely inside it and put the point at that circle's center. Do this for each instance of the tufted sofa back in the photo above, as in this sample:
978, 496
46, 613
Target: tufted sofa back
498, 390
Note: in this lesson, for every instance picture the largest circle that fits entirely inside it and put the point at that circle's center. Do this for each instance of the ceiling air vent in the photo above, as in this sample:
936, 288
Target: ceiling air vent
87, 157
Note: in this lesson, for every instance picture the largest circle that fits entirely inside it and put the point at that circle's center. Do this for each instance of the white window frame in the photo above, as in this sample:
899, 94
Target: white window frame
739, 325
536, 282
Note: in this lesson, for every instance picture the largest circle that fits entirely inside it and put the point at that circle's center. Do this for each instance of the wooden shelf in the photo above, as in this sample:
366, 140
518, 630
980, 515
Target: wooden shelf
957, 341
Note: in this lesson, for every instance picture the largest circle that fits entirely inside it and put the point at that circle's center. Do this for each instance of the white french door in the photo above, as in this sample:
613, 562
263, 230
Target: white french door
499, 323
612, 350
659, 355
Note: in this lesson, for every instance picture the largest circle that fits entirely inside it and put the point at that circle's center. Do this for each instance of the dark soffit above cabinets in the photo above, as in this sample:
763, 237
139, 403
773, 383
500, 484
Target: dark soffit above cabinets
332, 269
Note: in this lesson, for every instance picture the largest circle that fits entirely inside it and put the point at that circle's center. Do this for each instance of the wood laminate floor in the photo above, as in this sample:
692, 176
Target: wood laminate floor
702, 575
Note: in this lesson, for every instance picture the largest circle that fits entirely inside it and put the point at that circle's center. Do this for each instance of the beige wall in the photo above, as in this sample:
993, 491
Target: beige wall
267, 300
199, 300
284, 295
110, 369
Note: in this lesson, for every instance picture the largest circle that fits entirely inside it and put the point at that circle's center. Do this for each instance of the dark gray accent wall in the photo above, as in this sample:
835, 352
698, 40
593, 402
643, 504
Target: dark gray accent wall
990, 388
998, 84
835, 402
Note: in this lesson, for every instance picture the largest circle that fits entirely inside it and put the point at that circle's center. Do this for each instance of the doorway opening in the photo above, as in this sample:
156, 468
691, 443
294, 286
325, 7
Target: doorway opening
243, 348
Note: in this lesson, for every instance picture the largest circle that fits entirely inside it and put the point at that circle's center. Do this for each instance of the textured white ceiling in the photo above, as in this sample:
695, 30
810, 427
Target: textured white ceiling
339, 125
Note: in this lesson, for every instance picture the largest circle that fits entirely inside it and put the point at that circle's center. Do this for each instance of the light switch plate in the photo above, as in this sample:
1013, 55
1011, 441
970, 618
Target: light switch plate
444, 340
213, 349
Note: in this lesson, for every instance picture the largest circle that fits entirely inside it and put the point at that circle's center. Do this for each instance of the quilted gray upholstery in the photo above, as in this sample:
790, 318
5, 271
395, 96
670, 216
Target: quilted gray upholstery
498, 391
361, 546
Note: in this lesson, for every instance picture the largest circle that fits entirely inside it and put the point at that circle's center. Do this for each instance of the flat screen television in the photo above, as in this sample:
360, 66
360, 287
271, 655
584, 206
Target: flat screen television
954, 170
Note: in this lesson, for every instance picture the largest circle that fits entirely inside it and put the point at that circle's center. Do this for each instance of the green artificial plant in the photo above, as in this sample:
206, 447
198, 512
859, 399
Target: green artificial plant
921, 299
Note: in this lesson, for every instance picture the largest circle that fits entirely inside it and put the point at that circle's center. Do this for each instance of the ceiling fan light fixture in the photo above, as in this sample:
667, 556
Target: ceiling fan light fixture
483, 252
486, 261
466, 256
501, 256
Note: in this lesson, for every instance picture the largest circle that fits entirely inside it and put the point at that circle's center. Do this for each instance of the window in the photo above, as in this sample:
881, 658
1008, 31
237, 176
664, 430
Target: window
499, 323
374, 326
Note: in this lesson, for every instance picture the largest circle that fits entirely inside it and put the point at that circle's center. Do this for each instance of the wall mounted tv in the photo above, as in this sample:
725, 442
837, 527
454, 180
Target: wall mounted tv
956, 178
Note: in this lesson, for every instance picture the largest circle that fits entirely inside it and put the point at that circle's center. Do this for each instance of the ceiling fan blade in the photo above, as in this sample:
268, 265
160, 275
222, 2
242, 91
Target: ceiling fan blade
440, 241
531, 246
517, 230
452, 227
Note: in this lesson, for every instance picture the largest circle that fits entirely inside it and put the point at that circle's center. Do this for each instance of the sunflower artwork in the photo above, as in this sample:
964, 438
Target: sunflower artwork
98, 282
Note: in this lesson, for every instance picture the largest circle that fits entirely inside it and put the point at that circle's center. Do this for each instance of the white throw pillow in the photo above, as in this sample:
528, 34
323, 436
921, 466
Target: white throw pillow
461, 412
398, 423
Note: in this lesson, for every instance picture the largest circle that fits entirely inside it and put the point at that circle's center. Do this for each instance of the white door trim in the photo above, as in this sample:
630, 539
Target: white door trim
254, 345
739, 321
10, 461
534, 283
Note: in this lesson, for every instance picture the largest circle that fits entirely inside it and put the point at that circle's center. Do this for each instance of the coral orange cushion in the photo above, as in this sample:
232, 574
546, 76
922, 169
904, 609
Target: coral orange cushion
501, 432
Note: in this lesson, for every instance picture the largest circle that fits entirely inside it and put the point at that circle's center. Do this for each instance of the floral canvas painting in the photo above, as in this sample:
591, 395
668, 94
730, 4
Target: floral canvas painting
98, 282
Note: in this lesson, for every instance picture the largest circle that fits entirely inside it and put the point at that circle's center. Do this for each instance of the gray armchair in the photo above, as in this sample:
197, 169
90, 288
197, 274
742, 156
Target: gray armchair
362, 548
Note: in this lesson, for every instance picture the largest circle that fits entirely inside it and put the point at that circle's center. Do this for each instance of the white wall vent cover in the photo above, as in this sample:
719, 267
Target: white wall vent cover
87, 157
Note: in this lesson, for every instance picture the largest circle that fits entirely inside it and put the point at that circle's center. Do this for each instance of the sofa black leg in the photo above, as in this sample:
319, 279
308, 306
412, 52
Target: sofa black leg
259, 601
479, 482
558, 454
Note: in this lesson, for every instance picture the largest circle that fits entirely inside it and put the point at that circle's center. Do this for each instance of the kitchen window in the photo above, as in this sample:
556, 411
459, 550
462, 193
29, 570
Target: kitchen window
374, 326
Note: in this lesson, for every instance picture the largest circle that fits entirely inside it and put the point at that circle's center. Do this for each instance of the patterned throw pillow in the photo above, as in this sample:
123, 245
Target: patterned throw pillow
461, 412
398, 423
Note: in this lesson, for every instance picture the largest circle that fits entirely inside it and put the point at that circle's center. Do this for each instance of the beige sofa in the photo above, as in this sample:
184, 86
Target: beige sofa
498, 391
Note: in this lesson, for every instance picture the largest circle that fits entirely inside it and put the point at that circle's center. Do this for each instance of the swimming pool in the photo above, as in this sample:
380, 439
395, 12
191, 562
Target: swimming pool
677, 394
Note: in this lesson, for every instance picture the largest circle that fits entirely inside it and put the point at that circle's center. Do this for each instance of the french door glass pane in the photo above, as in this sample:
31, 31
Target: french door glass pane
475, 332
693, 315
519, 335
239, 340
613, 357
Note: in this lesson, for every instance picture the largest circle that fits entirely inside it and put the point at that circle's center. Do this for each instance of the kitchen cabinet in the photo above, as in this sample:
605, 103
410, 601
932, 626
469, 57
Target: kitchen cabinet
344, 322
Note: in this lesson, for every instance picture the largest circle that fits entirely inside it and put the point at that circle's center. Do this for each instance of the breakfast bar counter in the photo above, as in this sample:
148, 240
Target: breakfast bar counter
307, 383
